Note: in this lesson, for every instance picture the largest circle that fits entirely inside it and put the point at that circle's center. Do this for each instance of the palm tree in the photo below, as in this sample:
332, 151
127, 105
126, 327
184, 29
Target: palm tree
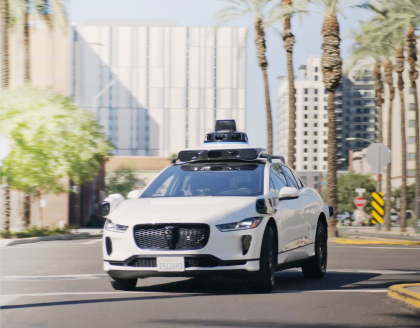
288, 43
331, 63
257, 9
411, 42
5, 81
399, 19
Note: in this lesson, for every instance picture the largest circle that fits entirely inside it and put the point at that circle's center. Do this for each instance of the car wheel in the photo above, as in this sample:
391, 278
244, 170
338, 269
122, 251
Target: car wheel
316, 266
123, 284
264, 280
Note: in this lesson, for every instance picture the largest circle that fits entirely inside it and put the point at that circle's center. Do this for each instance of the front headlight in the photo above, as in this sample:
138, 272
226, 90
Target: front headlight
249, 223
110, 226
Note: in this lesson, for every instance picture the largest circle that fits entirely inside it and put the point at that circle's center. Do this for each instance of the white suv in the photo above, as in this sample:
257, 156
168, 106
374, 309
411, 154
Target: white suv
226, 208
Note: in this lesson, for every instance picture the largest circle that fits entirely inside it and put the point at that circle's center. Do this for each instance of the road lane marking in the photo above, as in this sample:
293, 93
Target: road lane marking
382, 272
56, 277
359, 290
104, 275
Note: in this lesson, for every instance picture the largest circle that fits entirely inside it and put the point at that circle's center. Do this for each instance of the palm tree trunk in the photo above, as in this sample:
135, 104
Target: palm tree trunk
289, 41
399, 68
27, 77
27, 43
261, 48
5, 81
332, 160
414, 74
331, 63
4, 30
391, 95
379, 91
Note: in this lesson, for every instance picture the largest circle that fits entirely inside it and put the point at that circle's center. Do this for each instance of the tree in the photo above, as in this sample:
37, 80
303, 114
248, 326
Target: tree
122, 181
5, 81
53, 141
396, 20
331, 63
346, 190
258, 10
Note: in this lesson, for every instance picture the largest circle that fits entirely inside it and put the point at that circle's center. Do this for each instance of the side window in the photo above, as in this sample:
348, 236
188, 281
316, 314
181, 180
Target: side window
291, 182
298, 180
276, 181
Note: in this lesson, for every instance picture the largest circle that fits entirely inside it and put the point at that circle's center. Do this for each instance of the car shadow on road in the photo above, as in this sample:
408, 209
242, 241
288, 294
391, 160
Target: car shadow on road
286, 282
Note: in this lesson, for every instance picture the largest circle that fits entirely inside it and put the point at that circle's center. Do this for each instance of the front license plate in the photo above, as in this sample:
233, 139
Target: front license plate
170, 264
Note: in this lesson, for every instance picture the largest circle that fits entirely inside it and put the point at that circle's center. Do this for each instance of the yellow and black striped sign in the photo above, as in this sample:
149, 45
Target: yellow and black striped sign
378, 205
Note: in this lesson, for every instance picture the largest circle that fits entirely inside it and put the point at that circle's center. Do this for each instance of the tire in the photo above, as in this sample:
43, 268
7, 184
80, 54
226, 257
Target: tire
264, 280
123, 284
316, 266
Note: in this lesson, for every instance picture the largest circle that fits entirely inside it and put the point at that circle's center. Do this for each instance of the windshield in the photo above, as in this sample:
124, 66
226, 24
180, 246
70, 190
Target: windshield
215, 179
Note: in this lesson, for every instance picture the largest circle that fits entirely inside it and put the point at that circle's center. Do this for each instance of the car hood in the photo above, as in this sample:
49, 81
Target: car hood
183, 210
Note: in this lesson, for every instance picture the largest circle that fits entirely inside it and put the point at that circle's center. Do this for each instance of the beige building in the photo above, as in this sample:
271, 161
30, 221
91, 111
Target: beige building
50, 49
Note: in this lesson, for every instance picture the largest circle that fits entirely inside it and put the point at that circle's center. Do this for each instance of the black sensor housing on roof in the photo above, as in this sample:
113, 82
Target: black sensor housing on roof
226, 132
225, 125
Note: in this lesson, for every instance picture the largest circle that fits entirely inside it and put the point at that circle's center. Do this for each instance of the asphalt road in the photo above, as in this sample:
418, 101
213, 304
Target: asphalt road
61, 284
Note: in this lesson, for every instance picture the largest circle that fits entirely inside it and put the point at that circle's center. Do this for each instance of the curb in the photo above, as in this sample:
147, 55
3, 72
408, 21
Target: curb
349, 241
401, 293
30, 240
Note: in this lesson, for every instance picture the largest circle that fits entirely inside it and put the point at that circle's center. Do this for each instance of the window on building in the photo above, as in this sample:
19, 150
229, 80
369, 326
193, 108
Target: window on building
305, 167
305, 159
316, 69
315, 167
315, 116
316, 91
412, 140
315, 107
315, 150
315, 142
411, 123
412, 107
305, 107
305, 150
316, 99
315, 158
411, 173
325, 158
315, 133
325, 125
411, 156
305, 125
316, 77
305, 99
305, 133
305, 116
305, 142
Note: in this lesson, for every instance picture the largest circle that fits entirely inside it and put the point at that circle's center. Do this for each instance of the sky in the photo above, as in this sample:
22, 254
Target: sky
203, 13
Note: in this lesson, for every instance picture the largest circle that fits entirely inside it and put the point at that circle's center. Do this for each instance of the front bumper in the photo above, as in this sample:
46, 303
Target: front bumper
223, 252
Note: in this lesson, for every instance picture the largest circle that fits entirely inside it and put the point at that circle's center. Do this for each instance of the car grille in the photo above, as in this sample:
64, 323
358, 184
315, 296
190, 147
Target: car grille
171, 236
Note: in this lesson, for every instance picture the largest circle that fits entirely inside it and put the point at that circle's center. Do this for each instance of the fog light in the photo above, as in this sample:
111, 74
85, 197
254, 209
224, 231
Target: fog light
108, 245
246, 243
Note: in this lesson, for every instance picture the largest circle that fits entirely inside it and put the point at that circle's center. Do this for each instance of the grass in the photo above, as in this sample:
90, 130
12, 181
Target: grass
35, 232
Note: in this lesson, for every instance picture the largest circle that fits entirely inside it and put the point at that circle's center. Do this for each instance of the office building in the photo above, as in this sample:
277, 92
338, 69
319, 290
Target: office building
355, 113
158, 88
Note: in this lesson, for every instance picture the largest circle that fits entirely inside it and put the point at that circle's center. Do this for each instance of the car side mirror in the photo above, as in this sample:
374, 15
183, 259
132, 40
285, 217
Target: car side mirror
110, 203
134, 194
105, 208
288, 193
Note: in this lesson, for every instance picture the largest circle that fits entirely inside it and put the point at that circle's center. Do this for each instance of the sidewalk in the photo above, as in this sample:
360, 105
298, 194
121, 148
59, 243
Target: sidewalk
408, 293
84, 233
363, 232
